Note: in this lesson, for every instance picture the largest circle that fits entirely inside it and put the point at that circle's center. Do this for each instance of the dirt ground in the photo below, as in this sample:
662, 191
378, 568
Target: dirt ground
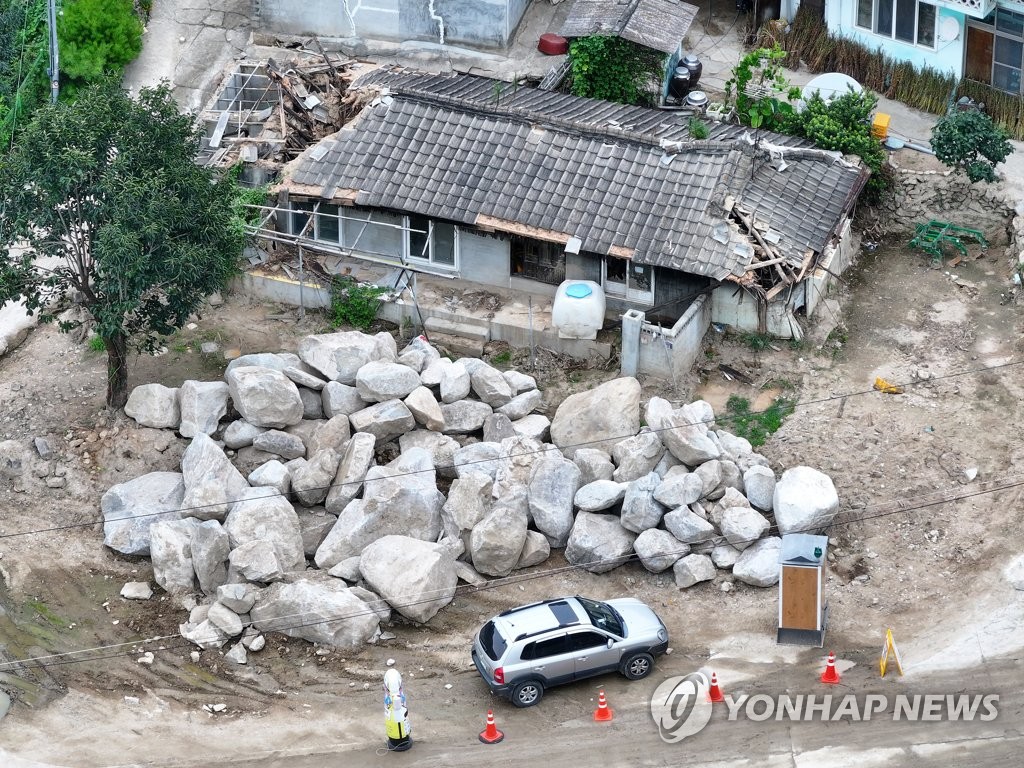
905, 557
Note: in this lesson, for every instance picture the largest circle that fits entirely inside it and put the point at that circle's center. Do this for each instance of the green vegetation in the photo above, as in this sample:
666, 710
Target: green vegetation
615, 69
502, 358
354, 304
755, 426
43, 611
96, 344
759, 89
108, 185
971, 143
756, 341
97, 38
698, 129
23, 60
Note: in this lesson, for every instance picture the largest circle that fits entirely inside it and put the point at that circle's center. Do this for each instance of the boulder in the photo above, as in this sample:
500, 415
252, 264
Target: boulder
724, 556
432, 373
137, 590
688, 527
736, 447
211, 481
276, 361
355, 462
339, 356
805, 501
522, 405
303, 378
640, 510
464, 416
497, 427
416, 577
659, 550
331, 613
13, 459
385, 421
379, 381
425, 409
759, 487
240, 433
210, 547
679, 489
347, 569
264, 397
594, 465
1013, 572
683, 431
205, 634
225, 619
598, 543
742, 526
341, 400
469, 501
441, 448
280, 443
237, 654
312, 481
380, 608
710, 474
598, 418
239, 598
637, 456
312, 404
497, 541
314, 525
154, 405
758, 564
552, 489
270, 519
171, 554
731, 498
203, 404
600, 495
271, 474
519, 382
535, 551
418, 354
535, 426
331, 434
490, 386
129, 509
732, 479
520, 456
455, 383
693, 569
667, 464
255, 561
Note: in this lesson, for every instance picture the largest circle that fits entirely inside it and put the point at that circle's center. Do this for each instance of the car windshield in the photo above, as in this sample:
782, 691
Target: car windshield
603, 616
493, 643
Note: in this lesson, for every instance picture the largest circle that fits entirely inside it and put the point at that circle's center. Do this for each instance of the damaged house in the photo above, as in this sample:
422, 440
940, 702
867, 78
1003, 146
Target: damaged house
475, 181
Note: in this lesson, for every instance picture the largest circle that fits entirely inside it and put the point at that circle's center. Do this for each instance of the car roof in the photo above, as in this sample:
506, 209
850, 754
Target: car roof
544, 616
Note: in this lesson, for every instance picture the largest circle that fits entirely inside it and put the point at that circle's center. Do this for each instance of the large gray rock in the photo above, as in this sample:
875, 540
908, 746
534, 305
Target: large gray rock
415, 577
203, 404
684, 431
598, 418
497, 541
731, 498
341, 400
441, 448
598, 543
312, 481
693, 569
314, 525
679, 489
239, 598
497, 427
594, 465
522, 405
276, 361
240, 433
710, 474
347, 569
210, 547
255, 561
379, 381
759, 487
425, 409
279, 443
520, 456
464, 416
742, 526
171, 555
552, 489
339, 356
640, 510
419, 354
355, 462
725, 556
455, 383
385, 421
520, 382
734, 446
1013, 572
484, 458
271, 474
129, 509
637, 456
312, 404
204, 634
154, 405
265, 397
688, 527
805, 501
304, 378
491, 387
535, 551
270, 519
600, 495
331, 614
536, 426
469, 501
332, 434
659, 550
211, 481
758, 565
226, 620
432, 373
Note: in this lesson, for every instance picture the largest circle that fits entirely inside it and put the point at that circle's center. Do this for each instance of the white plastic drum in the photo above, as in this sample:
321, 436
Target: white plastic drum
578, 311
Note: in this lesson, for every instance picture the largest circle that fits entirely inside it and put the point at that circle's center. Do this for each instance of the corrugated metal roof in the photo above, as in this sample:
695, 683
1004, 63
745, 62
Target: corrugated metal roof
657, 24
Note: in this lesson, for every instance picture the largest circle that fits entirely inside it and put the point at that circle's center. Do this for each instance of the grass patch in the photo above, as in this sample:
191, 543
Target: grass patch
43, 611
354, 304
756, 341
96, 344
502, 358
755, 426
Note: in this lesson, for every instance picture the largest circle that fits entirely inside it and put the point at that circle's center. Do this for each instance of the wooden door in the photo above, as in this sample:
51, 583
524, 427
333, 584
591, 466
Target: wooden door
799, 597
978, 64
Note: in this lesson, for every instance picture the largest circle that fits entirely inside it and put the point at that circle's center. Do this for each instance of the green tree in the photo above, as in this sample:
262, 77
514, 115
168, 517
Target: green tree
112, 210
971, 143
23, 61
97, 37
757, 83
614, 69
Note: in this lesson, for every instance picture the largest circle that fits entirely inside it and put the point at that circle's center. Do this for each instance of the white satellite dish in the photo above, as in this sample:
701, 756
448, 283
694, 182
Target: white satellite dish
949, 29
830, 85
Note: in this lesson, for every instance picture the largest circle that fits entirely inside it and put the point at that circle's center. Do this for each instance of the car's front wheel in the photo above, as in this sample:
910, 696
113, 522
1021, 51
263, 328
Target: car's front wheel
527, 694
638, 666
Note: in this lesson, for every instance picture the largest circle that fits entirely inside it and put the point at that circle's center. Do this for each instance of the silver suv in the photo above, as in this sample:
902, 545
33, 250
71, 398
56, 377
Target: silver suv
522, 652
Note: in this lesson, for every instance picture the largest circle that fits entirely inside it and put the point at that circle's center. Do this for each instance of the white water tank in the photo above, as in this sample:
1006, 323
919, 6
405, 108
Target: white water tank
578, 311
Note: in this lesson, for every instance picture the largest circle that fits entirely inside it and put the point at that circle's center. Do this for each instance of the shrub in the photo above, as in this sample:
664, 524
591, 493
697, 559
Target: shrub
698, 129
971, 143
354, 304
97, 37
615, 69
755, 426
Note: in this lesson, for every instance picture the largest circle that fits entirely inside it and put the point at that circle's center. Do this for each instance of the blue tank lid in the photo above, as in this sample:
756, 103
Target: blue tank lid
578, 291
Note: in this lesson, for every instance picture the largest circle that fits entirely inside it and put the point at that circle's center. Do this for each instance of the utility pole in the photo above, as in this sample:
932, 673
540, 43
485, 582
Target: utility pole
54, 69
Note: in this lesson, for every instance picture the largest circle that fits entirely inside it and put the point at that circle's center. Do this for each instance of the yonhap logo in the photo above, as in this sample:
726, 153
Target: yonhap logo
681, 707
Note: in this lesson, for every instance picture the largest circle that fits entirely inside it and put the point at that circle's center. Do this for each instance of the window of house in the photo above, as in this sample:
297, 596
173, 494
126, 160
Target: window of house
436, 242
909, 21
373, 232
628, 280
300, 217
537, 260
327, 223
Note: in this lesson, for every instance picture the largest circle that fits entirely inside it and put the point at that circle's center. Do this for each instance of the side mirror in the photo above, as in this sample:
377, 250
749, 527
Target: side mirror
610, 642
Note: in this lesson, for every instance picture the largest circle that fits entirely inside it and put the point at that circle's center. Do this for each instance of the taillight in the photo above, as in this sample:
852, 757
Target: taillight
499, 676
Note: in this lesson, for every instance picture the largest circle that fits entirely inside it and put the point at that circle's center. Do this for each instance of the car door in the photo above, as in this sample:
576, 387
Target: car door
592, 654
550, 659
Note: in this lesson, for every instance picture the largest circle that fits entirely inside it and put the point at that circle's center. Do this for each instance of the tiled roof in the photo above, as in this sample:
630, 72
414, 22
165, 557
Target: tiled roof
657, 24
452, 157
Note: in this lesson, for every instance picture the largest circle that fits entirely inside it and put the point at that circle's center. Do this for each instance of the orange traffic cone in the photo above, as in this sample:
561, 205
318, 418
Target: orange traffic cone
603, 713
491, 734
715, 694
831, 674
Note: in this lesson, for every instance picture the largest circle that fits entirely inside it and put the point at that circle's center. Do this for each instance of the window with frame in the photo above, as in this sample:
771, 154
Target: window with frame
542, 649
431, 241
909, 21
537, 260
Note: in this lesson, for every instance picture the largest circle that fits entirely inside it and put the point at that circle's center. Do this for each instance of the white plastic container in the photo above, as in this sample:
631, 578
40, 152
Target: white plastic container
578, 311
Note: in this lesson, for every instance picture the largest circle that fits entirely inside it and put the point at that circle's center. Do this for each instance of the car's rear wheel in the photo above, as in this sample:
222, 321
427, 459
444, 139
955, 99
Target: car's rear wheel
527, 694
638, 666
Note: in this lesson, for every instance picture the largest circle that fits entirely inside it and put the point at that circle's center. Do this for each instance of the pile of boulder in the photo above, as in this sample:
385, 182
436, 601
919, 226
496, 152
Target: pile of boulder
323, 490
